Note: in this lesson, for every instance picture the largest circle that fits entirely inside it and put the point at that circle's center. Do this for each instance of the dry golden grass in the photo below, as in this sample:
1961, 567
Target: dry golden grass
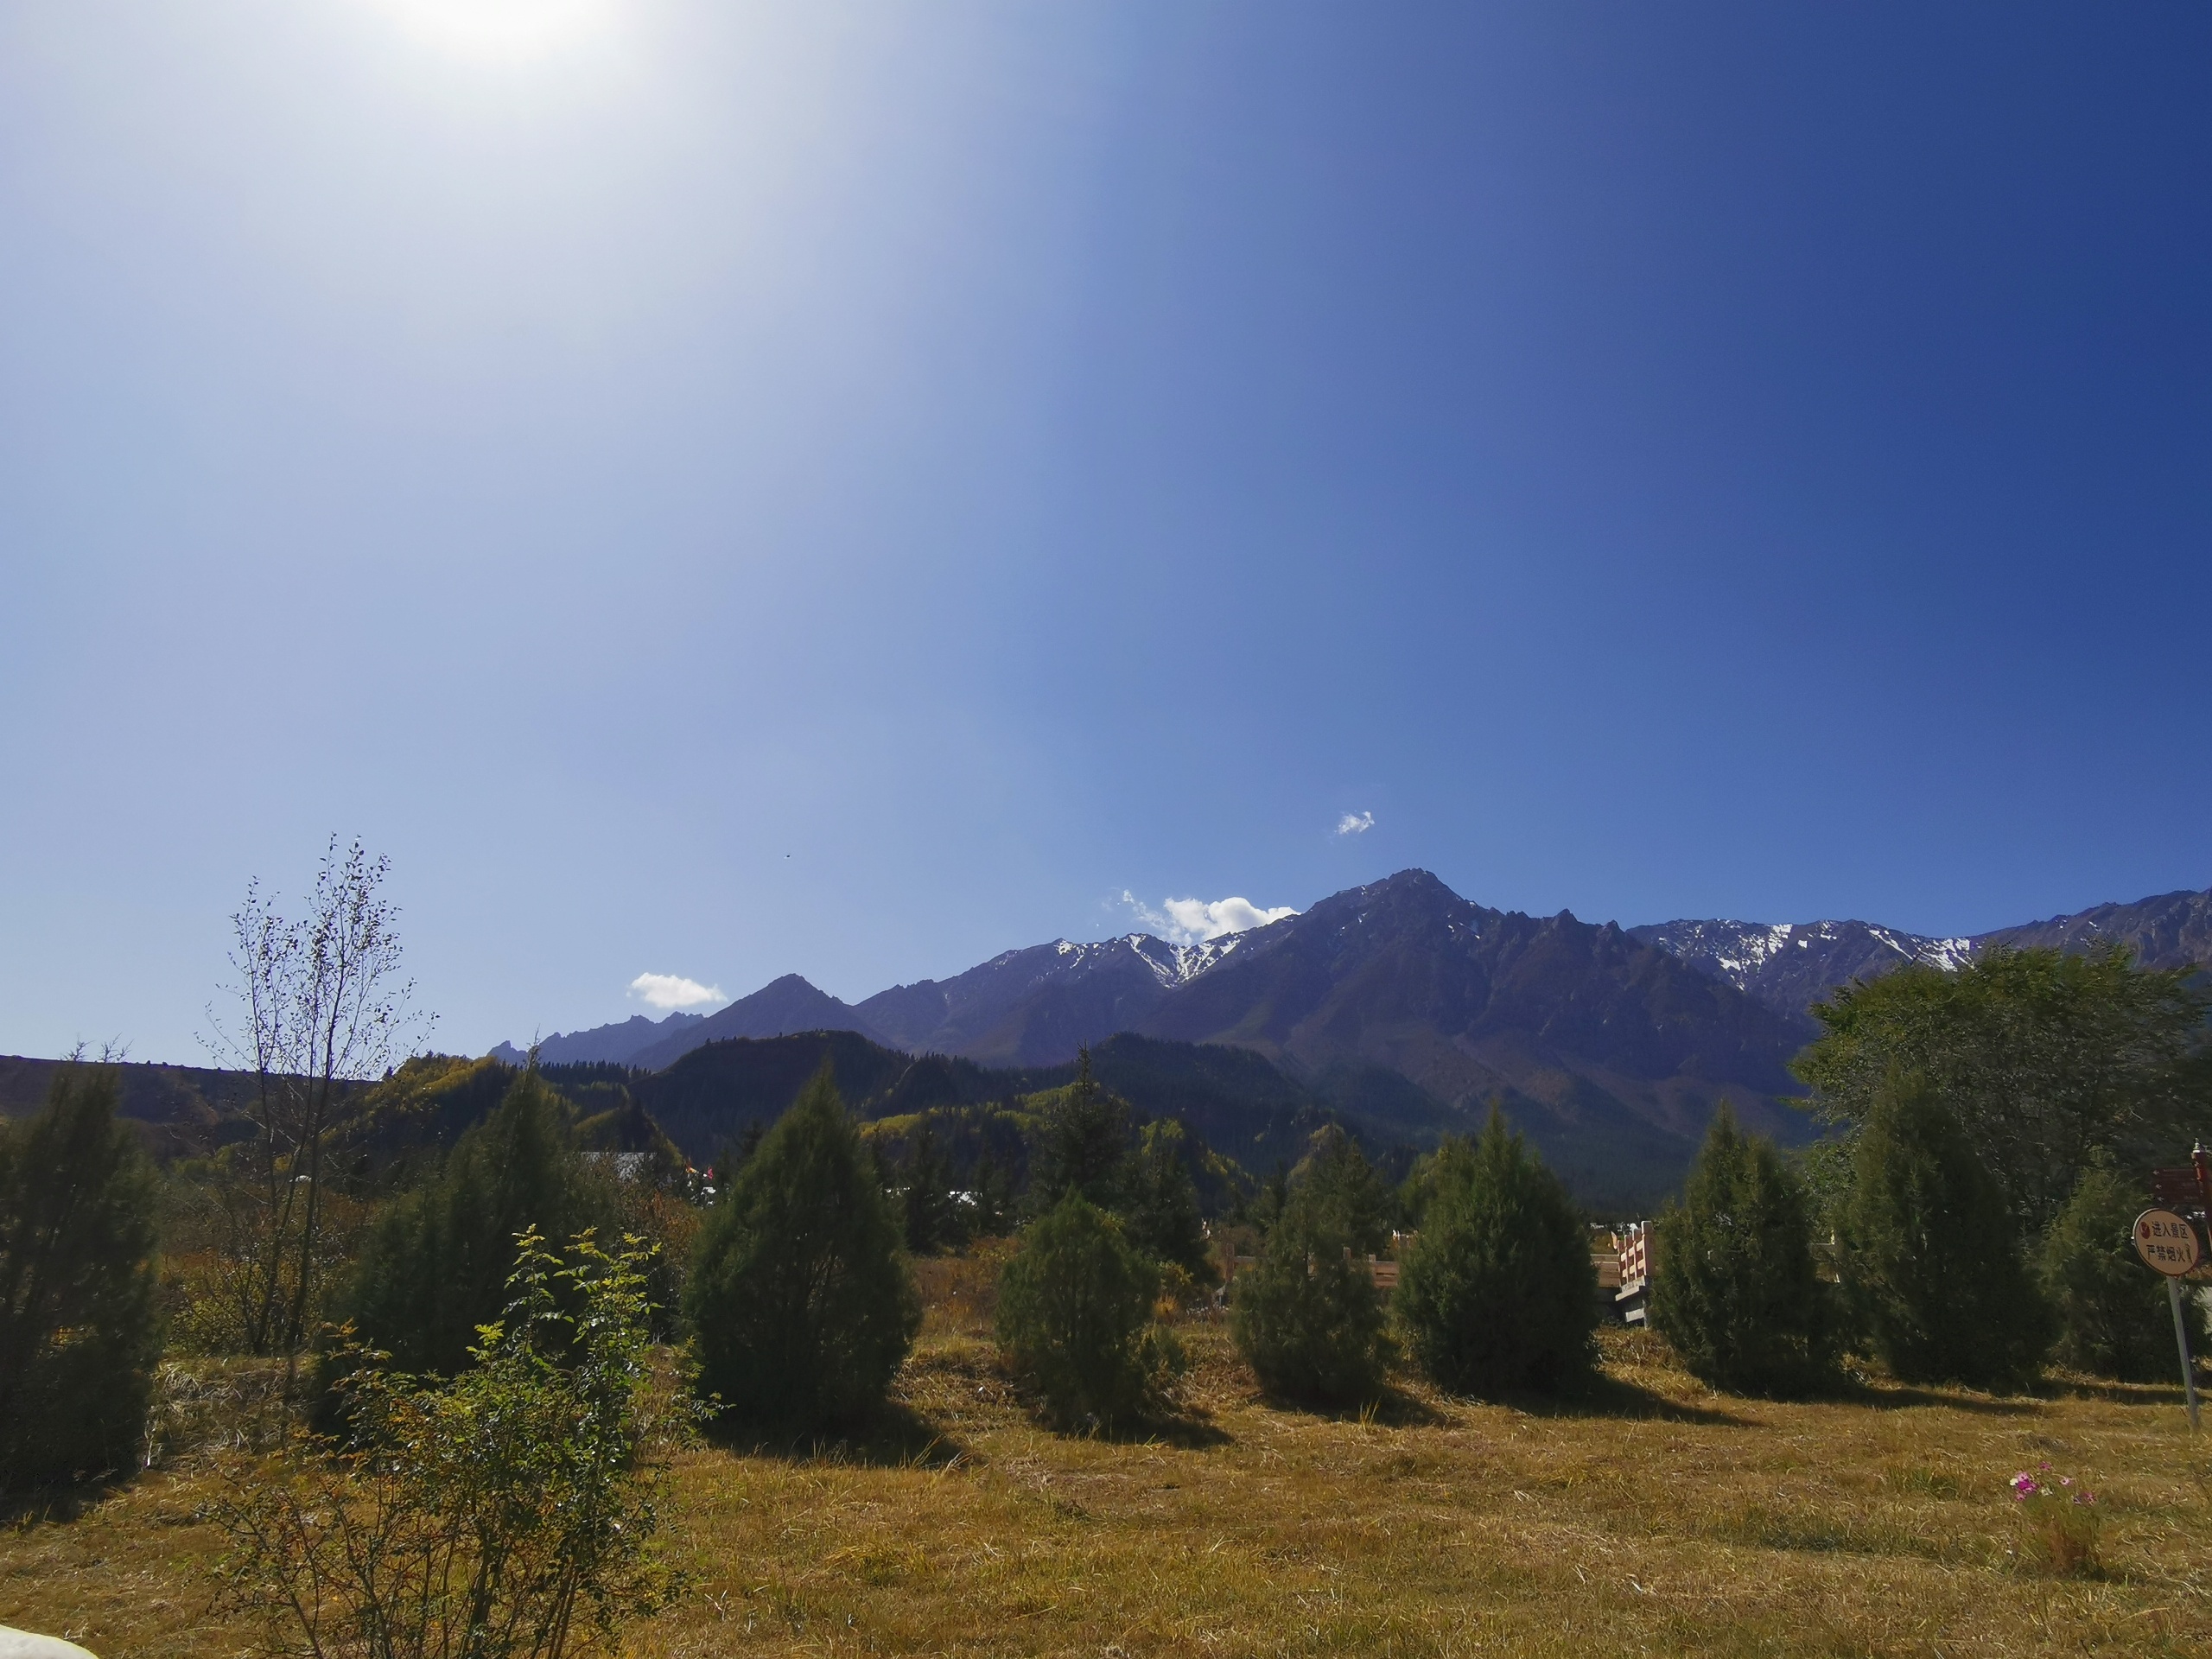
1649, 1517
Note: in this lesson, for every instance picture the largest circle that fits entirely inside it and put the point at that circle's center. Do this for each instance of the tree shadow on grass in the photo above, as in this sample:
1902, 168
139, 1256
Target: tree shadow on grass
59, 1504
1898, 1396
893, 1436
2111, 1391
1599, 1394
1192, 1431
1392, 1408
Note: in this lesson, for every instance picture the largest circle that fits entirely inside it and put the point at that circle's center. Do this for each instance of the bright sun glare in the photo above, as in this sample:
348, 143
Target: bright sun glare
501, 29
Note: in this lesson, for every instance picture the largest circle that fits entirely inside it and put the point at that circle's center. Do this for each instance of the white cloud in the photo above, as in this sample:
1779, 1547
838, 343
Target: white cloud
1355, 823
1194, 921
674, 991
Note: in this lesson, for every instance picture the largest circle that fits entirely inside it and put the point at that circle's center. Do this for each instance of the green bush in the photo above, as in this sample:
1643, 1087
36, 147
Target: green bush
801, 1305
1930, 1263
1735, 1290
1497, 1293
494, 1517
1075, 1317
2113, 1316
78, 1335
1306, 1317
435, 1267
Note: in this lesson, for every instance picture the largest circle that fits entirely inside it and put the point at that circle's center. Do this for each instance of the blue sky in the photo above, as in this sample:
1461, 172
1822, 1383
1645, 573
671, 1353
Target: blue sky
717, 489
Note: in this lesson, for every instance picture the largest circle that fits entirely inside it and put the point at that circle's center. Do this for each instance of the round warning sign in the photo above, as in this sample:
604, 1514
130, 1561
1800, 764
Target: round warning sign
2166, 1241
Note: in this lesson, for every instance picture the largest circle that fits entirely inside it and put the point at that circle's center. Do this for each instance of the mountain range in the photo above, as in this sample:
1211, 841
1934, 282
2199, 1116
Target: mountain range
1405, 1009
1790, 966
1033, 1007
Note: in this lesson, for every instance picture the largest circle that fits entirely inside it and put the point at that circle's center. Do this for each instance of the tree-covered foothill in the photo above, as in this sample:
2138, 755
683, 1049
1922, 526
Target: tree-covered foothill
2045, 1059
436, 1263
1497, 1293
801, 1305
1930, 1260
2112, 1315
1736, 1291
1075, 1317
1307, 1317
79, 1334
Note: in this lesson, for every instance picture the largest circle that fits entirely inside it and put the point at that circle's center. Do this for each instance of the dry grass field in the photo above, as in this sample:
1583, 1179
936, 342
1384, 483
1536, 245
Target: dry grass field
1648, 1517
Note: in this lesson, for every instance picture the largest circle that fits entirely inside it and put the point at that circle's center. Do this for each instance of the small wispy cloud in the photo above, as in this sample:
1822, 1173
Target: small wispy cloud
1355, 823
674, 991
1194, 921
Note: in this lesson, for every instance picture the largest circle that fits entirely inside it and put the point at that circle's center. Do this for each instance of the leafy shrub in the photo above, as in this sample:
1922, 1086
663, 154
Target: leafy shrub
79, 1336
1735, 1289
1306, 1317
1498, 1293
435, 1267
801, 1305
493, 1515
1075, 1307
2113, 1314
1930, 1262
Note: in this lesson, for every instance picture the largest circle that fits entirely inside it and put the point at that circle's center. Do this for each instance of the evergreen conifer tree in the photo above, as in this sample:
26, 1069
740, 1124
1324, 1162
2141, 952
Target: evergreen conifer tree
1340, 1176
933, 1221
78, 1335
799, 1297
992, 1193
1075, 1316
1735, 1289
1160, 1205
1082, 1144
1308, 1318
2113, 1314
1930, 1265
1497, 1293
435, 1267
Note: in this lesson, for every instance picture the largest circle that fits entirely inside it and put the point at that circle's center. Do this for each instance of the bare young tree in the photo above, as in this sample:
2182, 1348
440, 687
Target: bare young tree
320, 1009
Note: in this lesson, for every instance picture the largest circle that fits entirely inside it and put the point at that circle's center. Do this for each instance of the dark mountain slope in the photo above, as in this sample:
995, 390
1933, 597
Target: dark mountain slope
2171, 931
1234, 1100
710, 1094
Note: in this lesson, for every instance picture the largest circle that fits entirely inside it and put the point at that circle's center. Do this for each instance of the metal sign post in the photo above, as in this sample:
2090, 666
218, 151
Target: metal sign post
2181, 1341
2168, 1243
